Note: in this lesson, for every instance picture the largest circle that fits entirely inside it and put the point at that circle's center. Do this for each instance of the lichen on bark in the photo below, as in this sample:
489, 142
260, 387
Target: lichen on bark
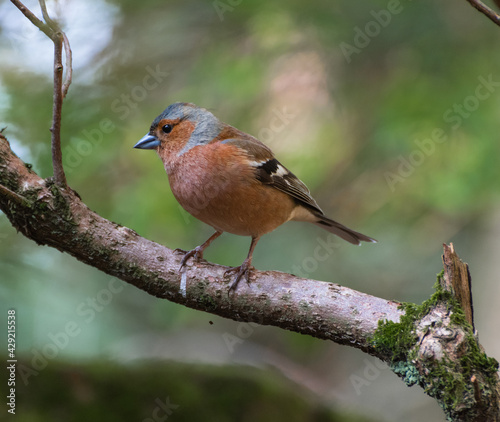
435, 347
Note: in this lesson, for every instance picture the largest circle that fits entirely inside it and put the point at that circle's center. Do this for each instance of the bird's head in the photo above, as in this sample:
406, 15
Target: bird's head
179, 128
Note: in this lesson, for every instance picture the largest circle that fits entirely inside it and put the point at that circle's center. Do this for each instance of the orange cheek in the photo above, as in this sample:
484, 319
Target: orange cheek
172, 143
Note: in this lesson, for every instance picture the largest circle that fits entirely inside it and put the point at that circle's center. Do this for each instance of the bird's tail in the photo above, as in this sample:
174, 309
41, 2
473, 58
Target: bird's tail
341, 231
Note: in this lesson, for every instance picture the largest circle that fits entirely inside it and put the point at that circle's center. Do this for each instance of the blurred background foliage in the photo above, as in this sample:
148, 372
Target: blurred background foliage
349, 95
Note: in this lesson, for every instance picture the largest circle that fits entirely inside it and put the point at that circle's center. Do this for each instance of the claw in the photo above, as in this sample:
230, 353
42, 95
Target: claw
243, 271
197, 253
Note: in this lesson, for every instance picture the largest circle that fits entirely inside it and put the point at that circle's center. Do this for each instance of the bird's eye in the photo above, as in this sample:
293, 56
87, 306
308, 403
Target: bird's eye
167, 128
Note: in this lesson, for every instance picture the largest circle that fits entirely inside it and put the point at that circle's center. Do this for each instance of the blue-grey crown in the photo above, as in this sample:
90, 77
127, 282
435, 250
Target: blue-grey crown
207, 126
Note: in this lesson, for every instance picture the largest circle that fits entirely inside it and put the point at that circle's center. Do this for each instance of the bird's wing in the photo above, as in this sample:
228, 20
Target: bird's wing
269, 171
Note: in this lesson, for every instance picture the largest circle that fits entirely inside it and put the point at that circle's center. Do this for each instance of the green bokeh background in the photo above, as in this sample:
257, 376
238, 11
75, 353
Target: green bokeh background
353, 115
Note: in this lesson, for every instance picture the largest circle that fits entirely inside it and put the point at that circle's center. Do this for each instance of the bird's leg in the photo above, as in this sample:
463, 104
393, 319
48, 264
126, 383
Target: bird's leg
197, 252
245, 268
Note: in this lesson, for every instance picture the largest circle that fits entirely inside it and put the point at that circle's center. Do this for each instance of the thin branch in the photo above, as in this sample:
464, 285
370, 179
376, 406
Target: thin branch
45, 14
67, 49
58, 39
53, 31
57, 163
69, 65
485, 10
46, 29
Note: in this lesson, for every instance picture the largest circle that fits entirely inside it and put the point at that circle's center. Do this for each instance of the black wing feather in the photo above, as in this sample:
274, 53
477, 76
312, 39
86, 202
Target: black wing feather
275, 174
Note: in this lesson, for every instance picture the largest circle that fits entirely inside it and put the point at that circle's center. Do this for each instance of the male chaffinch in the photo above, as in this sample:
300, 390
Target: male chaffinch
231, 181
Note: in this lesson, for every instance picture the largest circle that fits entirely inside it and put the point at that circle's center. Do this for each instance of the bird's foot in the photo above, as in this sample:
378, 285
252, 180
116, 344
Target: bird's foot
243, 271
196, 253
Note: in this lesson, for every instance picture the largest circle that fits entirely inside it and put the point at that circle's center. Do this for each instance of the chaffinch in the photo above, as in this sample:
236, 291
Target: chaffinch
231, 181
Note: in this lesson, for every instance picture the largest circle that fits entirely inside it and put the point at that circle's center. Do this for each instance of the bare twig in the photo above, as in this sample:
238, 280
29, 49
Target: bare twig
57, 164
46, 29
69, 65
45, 14
485, 10
67, 49
52, 29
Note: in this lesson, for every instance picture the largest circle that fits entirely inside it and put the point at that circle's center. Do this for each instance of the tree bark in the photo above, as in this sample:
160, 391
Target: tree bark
437, 342
55, 216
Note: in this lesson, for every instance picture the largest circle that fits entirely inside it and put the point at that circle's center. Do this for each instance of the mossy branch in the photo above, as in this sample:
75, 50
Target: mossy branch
434, 345
431, 345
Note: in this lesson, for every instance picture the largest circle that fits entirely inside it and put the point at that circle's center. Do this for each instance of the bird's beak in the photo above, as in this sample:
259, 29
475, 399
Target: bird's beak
148, 142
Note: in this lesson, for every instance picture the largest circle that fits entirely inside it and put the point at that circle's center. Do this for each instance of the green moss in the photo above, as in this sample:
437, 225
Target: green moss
447, 385
477, 359
204, 298
447, 381
9, 181
395, 339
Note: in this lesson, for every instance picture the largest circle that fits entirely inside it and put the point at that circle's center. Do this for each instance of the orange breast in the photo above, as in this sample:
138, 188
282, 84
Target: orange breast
215, 184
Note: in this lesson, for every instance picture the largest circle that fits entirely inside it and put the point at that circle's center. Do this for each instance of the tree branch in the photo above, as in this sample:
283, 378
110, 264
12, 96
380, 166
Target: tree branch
69, 65
59, 219
53, 31
485, 10
57, 163
46, 29
429, 345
